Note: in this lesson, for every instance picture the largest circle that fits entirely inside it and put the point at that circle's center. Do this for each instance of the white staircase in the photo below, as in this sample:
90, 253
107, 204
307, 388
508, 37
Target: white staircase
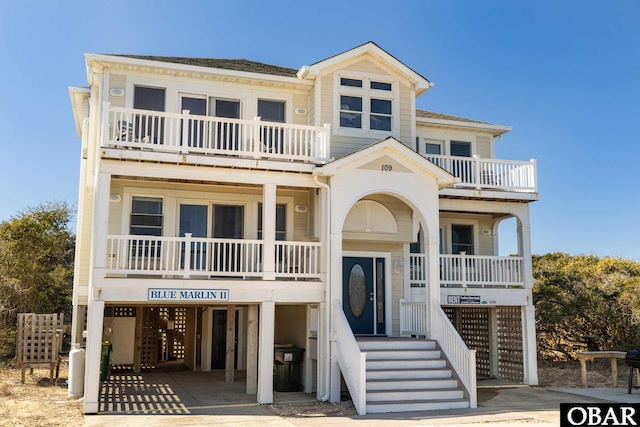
405, 374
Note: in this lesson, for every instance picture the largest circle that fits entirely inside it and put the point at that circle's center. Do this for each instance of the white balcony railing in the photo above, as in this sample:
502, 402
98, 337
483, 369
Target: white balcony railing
413, 318
195, 134
478, 173
470, 271
187, 256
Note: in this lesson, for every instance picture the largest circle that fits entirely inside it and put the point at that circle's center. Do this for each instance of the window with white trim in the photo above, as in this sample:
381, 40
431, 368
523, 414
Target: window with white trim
366, 103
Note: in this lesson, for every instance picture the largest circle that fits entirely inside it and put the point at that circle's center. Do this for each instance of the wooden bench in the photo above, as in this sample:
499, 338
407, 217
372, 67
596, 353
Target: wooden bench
585, 356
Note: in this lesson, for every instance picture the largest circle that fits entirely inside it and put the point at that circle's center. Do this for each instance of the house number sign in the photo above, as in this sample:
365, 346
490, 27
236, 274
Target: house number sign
387, 168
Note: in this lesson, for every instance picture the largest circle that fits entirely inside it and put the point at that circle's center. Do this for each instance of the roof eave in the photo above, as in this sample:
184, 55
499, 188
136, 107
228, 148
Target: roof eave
497, 129
78, 95
102, 59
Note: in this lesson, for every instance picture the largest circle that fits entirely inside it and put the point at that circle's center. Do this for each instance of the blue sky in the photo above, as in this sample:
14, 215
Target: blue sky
564, 74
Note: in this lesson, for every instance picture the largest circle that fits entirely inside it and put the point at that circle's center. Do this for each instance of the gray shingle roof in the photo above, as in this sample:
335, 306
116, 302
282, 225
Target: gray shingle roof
226, 64
433, 115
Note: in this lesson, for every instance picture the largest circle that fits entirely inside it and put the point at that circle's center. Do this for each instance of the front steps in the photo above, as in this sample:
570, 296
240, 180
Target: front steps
405, 374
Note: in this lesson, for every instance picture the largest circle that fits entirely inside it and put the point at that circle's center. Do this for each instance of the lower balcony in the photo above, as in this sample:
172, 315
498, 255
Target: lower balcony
187, 257
464, 271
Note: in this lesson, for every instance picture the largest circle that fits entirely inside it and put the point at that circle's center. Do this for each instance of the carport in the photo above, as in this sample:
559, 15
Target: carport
183, 392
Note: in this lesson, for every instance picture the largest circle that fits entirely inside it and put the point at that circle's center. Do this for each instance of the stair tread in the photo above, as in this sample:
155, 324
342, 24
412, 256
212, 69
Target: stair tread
408, 369
369, 350
394, 402
417, 390
409, 380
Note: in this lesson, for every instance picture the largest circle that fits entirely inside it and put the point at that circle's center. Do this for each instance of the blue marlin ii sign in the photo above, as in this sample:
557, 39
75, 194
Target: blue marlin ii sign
188, 295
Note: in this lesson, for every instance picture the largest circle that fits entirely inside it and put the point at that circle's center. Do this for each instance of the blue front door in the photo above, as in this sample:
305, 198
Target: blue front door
357, 294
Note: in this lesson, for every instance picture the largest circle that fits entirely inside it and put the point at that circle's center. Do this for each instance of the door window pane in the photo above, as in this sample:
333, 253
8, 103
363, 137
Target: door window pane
198, 107
148, 98
271, 111
225, 108
461, 148
148, 128
281, 222
227, 135
432, 148
193, 219
462, 239
228, 221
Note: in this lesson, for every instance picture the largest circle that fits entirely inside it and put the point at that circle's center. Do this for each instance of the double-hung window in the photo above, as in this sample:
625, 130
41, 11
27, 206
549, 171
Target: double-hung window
366, 104
146, 220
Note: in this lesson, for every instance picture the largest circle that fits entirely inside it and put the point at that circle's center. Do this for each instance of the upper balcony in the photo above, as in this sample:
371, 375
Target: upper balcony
213, 136
476, 173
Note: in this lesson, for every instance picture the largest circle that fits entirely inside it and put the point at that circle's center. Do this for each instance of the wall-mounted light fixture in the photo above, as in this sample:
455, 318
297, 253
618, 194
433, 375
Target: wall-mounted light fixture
398, 265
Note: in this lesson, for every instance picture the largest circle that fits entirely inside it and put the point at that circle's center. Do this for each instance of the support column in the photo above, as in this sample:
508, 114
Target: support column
137, 340
493, 342
269, 231
432, 287
230, 355
529, 350
206, 339
524, 246
92, 364
252, 349
265, 355
101, 224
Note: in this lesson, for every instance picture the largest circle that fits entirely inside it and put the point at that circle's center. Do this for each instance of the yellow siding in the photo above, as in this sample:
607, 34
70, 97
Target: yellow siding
481, 141
300, 101
175, 193
84, 240
483, 146
345, 145
120, 82
485, 243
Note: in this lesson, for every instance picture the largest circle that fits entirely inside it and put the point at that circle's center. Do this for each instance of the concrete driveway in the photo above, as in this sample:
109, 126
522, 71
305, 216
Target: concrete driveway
195, 399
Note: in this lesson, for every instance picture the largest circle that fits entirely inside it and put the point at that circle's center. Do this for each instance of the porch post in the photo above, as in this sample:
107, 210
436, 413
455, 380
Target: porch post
230, 355
432, 287
252, 349
265, 357
101, 224
92, 366
529, 351
524, 246
207, 337
269, 231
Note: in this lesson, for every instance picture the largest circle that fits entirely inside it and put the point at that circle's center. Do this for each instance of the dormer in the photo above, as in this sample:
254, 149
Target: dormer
366, 94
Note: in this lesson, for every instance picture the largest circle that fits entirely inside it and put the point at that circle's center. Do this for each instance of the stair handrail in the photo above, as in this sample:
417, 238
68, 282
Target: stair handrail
352, 361
462, 359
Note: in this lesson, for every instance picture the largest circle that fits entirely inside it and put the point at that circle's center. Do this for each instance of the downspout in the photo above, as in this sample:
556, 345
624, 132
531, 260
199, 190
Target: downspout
327, 259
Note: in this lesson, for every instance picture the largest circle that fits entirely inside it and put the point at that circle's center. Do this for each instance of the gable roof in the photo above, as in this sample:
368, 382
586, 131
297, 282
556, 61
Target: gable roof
422, 84
221, 63
387, 145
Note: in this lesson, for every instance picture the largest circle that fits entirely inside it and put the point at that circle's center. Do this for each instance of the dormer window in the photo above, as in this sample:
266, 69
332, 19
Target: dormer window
365, 104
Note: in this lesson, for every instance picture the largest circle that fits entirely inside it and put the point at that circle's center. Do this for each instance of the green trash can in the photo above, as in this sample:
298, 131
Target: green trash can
286, 370
105, 357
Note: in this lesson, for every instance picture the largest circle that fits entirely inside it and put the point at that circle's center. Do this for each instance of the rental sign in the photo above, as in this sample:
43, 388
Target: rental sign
188, 295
